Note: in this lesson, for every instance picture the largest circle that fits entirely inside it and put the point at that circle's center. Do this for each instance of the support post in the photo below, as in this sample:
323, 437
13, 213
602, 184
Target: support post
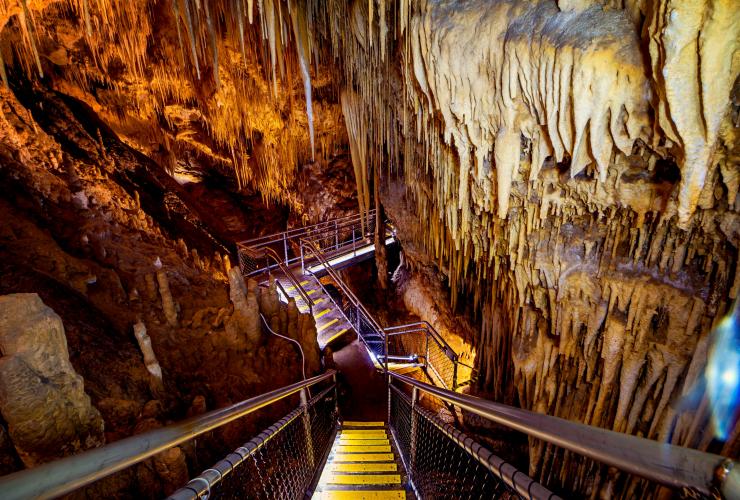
388, 382
285, 247
414, 430
303, 263
307, 428
426, 356
454, 373
336, 236
336, 394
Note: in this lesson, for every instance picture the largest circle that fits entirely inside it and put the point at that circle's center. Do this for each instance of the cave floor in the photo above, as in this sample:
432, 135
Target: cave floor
362, 390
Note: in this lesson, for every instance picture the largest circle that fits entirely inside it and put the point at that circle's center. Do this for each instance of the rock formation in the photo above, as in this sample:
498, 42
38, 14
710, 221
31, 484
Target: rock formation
562, 176
42, 398
145, 344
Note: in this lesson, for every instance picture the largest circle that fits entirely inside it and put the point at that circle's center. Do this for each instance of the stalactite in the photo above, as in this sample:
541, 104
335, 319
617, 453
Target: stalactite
214, 43
30, 35
3, 74
356, 130
300, 33
191, 35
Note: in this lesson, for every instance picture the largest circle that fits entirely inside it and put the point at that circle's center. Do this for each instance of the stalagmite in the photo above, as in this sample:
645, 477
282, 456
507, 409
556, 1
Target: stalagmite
168, 303
145, 344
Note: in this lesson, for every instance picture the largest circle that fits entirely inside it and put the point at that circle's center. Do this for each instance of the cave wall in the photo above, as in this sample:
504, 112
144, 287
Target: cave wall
569, 172
103, 236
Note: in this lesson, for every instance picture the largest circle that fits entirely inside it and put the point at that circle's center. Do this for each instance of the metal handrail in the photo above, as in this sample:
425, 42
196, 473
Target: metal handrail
670, 465
350, 295
515, 479
69, 474
331, 229
429, 331
201, 485
291, 277
292, 233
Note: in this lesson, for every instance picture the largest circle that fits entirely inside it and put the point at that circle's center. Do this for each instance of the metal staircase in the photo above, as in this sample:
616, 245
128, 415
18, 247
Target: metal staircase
363, 463
416, 452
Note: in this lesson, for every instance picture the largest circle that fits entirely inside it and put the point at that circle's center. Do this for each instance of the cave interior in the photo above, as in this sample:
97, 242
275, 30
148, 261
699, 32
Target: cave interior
204, 201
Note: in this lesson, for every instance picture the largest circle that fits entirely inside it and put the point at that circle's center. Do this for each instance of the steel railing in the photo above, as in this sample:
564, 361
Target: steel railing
334, 237
673, 466
69, 474
271, 254
367, 328
443, 462
440, 360
295, 446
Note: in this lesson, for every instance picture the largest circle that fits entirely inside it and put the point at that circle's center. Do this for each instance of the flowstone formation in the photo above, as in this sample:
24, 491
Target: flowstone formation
570, 170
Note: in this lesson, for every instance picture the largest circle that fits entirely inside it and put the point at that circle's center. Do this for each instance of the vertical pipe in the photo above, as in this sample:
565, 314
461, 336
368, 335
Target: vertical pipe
454, 373
303, 264
388, 382
336, 236
307, 428
426, 356
285, 246
414, 431
336, 394
385, 338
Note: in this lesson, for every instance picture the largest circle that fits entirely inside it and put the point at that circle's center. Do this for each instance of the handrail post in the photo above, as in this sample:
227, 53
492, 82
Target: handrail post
336, 236
414, 429
454, 373
307, 427
426, 356
285, 247
303, 263
354, 249
388, 382
385, 338
336, 393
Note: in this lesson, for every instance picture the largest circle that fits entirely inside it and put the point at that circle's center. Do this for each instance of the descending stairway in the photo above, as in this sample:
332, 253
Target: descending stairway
331, 324
362, 464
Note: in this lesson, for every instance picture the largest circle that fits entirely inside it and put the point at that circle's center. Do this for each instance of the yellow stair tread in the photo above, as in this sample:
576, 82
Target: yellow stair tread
362, 436
363, 457
292, 287
318, 315
364, 442
343, 448
368, 467
352, 423
337, 335
362, 495
362, 432
363, 479
327, 325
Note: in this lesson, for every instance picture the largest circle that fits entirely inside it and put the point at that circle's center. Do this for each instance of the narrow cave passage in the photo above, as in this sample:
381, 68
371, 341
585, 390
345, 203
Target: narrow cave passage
369, 249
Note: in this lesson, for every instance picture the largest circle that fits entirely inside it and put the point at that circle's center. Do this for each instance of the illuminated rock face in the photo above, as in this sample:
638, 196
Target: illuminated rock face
42, 398
560, 198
